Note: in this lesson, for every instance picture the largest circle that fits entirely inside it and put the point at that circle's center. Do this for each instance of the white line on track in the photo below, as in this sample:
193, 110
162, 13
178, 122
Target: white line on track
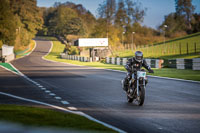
47, 91
52, 94
72, 108
43, 88
65, 110
64, 102
58, 98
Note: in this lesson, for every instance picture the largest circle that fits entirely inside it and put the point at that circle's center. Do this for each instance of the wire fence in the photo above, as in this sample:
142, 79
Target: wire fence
171, 49
186, 45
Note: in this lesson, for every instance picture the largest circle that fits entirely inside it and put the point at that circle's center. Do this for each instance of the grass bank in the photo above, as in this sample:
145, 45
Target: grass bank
184, 47
164, 72
21, 53
41, 117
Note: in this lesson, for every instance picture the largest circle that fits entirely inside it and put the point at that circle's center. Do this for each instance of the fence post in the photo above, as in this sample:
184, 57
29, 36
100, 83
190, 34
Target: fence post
195, 47
148, 61
187, 48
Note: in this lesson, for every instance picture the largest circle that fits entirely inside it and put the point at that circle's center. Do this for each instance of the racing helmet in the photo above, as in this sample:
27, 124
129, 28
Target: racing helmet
138, 56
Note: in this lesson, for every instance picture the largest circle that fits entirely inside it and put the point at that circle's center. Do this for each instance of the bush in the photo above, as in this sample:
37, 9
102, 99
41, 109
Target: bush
103, 60
72, 50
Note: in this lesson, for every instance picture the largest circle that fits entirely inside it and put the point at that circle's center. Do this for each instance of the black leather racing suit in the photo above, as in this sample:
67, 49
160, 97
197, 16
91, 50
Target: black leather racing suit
132, 66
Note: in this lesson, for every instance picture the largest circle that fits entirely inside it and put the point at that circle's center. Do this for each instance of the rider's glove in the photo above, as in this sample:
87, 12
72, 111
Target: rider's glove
151, 71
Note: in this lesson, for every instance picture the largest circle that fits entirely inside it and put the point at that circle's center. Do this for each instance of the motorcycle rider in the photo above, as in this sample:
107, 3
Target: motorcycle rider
133, 65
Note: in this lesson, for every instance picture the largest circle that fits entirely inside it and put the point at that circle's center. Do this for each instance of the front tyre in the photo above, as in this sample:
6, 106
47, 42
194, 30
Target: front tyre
142, 96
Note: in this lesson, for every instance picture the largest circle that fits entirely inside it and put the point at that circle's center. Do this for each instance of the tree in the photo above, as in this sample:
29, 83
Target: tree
116, 19
68, 19
29, 20
121, 16
8, 24
175, 26
186, 9
64, 21
182, 22
107, 10
134, 11
196, 23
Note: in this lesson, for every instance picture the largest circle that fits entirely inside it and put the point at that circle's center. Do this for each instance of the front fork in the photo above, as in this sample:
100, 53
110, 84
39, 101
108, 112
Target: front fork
137, 87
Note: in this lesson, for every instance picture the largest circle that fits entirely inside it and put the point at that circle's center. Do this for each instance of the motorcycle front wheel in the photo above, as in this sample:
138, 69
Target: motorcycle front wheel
142, 96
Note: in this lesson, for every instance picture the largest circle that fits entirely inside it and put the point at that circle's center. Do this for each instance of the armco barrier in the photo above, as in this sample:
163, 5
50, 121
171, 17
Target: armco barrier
180, 64
171, 63
124, 60
74, 57
148, 61
113, 60
118, 61
196, 64
193, 64
107, 60
155, 63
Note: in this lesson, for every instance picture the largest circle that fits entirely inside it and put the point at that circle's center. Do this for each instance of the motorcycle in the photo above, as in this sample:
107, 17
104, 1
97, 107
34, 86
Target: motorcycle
136, 87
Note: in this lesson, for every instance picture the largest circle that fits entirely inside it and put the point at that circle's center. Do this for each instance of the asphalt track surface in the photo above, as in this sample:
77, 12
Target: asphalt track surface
170, 105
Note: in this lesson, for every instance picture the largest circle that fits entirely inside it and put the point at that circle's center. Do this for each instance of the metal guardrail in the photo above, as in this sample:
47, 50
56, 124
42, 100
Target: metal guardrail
193, 64
154, 63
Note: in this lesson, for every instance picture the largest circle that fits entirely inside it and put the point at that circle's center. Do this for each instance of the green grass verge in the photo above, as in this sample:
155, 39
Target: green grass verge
8, 66
176, 73
41, 117
164, 72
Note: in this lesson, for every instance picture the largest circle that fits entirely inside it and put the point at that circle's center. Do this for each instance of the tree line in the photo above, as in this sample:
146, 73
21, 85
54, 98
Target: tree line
115, 20
67, 19
119, 20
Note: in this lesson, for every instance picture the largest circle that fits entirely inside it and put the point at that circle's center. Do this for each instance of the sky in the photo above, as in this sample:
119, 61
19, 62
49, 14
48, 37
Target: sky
156, 9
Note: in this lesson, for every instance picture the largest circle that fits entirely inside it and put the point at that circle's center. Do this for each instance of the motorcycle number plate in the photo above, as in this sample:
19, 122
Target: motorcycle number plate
141, 74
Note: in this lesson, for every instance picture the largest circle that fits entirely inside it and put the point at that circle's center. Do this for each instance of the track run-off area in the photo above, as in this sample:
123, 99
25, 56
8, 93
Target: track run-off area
170, 105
